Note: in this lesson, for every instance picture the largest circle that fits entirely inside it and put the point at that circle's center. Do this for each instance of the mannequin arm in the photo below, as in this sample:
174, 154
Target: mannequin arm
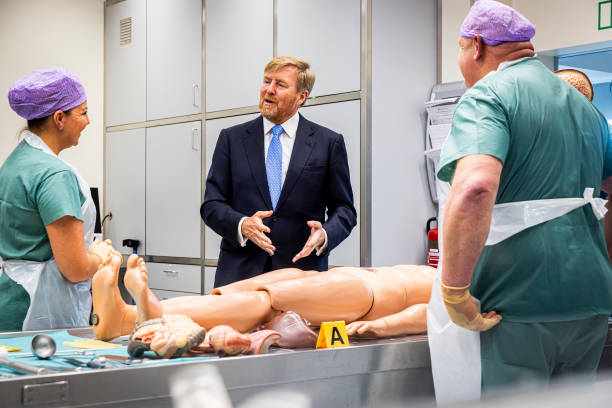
412, 320
68, 246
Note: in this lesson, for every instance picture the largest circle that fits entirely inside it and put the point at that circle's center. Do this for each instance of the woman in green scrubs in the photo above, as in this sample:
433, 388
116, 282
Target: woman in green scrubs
46, 212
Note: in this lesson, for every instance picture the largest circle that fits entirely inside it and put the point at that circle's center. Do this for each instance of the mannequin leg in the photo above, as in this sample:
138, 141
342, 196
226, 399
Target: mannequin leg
112, 317
256, 282
136, 282
241, 310
323, 296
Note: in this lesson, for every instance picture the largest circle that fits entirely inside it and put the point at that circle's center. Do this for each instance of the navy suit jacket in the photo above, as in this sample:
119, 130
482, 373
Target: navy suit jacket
317, 179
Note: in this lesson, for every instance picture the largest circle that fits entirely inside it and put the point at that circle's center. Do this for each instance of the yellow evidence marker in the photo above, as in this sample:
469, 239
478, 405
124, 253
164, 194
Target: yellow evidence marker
332, 335
9, 348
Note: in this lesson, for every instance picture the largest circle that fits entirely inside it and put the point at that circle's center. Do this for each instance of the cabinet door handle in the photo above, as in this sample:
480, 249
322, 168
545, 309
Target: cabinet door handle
195, 139
195, 95
171, 273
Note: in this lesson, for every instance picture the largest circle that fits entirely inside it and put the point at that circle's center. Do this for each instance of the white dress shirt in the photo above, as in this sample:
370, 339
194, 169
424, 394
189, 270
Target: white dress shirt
287, 139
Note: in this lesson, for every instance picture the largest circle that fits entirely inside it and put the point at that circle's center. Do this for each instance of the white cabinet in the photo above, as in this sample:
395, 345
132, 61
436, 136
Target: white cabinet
213, 128
174, 58
326, 34
239, 44
175, 277
125, 188
344, 118
153, 60
126, 46
173, 185
153, 189
168, 294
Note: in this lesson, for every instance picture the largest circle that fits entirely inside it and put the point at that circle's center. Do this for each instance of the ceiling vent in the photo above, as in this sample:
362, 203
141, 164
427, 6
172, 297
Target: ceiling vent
125, 31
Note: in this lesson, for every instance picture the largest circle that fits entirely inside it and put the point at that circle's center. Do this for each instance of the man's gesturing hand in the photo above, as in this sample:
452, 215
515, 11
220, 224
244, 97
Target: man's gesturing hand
253, 229
315, 240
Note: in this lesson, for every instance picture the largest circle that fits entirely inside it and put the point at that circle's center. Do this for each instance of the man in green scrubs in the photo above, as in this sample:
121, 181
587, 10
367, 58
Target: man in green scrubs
521, 134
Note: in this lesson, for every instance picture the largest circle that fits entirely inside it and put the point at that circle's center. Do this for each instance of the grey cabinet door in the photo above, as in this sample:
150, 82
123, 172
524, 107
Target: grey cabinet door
239, 43
173, 174
209, 279
174, 58
344, 118
125, 41
125, 188
327, 34
213, 128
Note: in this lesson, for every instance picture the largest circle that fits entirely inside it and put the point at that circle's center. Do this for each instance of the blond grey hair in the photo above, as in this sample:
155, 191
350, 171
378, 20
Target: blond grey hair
305, 77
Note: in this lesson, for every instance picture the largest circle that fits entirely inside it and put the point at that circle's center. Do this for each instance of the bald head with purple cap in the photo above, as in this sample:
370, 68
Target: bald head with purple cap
496, 23
491, 34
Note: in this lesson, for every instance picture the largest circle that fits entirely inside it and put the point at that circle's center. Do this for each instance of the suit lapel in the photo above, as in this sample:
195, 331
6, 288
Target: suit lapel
254, 146
302, 147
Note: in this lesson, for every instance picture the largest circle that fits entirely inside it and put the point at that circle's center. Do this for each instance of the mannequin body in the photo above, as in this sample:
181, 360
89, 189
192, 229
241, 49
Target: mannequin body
394, 297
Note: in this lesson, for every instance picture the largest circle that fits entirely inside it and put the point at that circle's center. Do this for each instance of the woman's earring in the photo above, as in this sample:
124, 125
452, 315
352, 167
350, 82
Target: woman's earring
60, 126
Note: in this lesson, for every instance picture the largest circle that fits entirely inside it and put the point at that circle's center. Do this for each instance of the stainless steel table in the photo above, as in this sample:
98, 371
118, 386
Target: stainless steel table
371, 373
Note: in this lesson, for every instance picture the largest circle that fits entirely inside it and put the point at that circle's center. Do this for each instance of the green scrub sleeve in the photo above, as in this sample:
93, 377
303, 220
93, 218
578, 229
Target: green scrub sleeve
607, 172
59, 195
480, 126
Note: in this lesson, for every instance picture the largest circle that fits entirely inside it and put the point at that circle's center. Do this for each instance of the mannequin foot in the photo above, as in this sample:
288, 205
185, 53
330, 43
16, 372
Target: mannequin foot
111, 316
169, 336
137, 283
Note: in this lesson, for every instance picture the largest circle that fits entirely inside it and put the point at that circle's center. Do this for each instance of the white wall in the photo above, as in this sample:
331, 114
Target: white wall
559, 24
403, 72
37, 34
563, 23
452, 13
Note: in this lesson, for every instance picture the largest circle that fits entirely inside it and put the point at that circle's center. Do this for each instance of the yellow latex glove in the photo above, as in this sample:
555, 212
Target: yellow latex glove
463, 311
103, 249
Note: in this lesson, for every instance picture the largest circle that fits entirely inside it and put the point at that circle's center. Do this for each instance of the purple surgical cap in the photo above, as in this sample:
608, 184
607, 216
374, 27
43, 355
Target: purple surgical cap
45, 91
496, 23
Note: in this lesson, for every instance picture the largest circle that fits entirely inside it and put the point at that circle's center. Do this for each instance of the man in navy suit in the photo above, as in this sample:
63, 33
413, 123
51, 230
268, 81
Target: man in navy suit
271, 181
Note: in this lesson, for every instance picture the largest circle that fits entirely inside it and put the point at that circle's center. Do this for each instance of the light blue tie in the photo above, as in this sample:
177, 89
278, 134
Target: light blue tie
274, 165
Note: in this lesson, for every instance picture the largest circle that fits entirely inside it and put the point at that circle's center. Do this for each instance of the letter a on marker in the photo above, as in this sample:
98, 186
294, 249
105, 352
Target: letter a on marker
332, 335
336, 336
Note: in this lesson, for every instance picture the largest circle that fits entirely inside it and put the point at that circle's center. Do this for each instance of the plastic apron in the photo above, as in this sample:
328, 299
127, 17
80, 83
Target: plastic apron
55, 302
455, 351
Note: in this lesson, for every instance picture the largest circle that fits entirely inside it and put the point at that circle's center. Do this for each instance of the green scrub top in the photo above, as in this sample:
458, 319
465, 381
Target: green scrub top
553, 143
35, 190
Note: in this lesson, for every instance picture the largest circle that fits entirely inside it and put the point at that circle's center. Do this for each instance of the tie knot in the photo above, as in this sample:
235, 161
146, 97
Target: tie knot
277, 130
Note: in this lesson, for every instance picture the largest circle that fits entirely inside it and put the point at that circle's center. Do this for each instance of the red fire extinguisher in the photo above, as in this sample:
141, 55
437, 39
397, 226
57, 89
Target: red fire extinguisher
433, 251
